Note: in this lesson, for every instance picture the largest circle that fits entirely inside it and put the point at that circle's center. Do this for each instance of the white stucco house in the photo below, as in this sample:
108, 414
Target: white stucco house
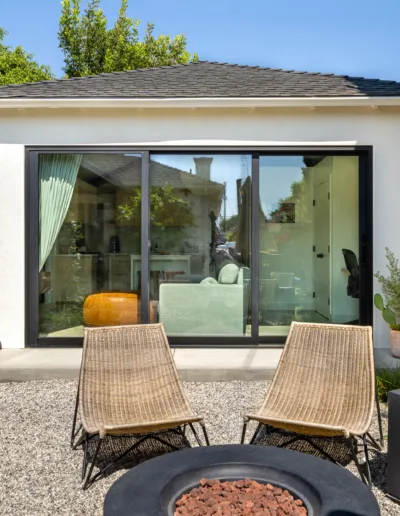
224, 200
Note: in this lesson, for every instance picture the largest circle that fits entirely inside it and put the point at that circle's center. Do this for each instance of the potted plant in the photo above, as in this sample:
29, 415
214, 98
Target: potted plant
389, 304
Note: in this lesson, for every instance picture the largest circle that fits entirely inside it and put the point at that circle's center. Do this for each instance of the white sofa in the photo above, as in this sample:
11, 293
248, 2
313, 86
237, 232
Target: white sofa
208, 308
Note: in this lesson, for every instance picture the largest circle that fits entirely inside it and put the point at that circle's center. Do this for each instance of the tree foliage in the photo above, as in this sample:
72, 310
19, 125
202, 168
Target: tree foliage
229, 224
91, 48
18, 66
284, 211
166, 208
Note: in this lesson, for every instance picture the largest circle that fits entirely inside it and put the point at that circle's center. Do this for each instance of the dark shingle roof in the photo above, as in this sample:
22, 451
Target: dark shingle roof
204, 79
125, 172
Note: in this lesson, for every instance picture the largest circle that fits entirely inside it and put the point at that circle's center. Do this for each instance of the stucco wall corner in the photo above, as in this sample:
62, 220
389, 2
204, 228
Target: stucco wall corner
12, 252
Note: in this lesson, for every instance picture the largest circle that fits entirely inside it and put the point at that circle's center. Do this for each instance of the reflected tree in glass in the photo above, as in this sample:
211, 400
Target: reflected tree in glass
166, 208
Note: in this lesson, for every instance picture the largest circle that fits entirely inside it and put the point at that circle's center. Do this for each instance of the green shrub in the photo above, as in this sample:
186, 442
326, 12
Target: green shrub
66, 315
390, 289
387, 380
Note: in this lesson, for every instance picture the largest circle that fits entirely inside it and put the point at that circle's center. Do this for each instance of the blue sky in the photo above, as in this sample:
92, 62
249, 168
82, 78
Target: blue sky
277, 173
353, 37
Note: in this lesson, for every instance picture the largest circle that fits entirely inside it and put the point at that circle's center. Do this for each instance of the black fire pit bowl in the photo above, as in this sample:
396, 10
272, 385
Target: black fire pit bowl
152, 488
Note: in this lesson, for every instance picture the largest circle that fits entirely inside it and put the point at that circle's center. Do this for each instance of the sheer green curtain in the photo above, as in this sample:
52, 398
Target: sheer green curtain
57, 177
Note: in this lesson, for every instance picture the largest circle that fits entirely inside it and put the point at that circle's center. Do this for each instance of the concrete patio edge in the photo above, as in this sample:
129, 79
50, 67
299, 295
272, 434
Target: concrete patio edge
194, 364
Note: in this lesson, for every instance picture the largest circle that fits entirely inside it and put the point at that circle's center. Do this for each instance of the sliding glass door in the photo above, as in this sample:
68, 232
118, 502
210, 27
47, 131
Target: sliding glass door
200, 243
308, 241
221, 247
89, 228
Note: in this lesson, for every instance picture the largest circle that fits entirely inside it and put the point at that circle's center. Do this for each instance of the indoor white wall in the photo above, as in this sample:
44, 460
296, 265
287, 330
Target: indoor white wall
344, 234
321, 174
12, 251
380, 128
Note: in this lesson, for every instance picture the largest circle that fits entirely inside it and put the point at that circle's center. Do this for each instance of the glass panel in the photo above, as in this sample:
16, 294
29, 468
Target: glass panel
308, 241
89, 229
200, 244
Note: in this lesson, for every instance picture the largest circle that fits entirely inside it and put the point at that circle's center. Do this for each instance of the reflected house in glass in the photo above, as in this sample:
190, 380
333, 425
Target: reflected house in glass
212, 298
179, 203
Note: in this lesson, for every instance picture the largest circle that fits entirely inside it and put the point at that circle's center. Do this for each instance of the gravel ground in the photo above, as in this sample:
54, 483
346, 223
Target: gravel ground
40, 474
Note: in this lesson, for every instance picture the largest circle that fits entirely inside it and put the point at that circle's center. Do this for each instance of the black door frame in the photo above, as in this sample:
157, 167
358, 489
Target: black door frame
364, 153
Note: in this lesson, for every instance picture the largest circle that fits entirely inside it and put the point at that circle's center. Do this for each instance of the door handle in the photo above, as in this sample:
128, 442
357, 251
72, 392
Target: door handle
320, 255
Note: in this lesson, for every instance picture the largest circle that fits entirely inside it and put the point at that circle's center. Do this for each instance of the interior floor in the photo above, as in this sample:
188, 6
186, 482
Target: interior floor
285, 317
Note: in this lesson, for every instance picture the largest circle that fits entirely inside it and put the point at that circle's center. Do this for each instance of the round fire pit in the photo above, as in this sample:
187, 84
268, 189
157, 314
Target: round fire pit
153, 488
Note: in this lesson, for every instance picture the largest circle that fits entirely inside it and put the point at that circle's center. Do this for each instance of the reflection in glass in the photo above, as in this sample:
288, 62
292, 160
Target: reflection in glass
200, 243
308, 218
90, 259
86, 241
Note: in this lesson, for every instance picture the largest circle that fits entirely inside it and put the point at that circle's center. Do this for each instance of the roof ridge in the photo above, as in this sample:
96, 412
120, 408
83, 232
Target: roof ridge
304, 72
146, 82
102, 74
261, 68
188, 172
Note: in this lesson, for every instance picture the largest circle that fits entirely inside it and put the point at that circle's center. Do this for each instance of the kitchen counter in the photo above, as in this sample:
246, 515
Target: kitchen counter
160, 263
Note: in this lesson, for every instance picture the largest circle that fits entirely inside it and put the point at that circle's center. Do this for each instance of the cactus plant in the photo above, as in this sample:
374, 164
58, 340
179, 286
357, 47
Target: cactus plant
387, 314
389, 305
378, 302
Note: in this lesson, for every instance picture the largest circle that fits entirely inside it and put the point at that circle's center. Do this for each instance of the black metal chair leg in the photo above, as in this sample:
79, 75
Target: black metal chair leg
165, 443
73, 433
322, 452
373, 442
195, 434
291, 441
253, 439
355, 458
88, 481
80, 440
124, 454
203, 427
378, 409
369, 477
245, 423
85, 456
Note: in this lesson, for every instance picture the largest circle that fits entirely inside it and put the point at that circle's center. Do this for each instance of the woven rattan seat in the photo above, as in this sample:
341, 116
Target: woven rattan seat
129, 384
324, 385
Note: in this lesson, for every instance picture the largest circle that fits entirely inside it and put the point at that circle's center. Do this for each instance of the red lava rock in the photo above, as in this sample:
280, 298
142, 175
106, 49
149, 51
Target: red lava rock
238, 498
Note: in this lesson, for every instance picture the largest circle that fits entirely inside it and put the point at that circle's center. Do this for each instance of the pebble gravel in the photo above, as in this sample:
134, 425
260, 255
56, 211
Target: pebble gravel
40, 474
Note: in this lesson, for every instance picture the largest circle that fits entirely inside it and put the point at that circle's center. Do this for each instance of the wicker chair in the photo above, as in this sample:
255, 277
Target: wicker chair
322, 397
129, 386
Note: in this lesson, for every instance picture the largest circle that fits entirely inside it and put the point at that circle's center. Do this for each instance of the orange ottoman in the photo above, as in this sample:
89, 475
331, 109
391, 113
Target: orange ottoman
112, 309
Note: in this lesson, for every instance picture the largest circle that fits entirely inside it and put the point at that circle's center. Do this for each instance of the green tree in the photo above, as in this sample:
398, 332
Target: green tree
229, 226
166, 208
18, 66
91, 48
297, 191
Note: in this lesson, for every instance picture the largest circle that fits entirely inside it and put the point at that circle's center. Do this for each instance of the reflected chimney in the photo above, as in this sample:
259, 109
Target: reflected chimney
203, 167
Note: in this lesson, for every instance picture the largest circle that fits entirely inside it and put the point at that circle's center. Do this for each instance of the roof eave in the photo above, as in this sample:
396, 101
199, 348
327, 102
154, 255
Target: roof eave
198, 102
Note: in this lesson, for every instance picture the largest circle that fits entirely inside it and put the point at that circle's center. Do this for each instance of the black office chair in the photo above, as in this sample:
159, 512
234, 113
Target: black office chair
353, 283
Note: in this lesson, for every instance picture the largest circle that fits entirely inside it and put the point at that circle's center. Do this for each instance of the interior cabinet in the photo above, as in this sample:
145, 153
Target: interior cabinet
118, 272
